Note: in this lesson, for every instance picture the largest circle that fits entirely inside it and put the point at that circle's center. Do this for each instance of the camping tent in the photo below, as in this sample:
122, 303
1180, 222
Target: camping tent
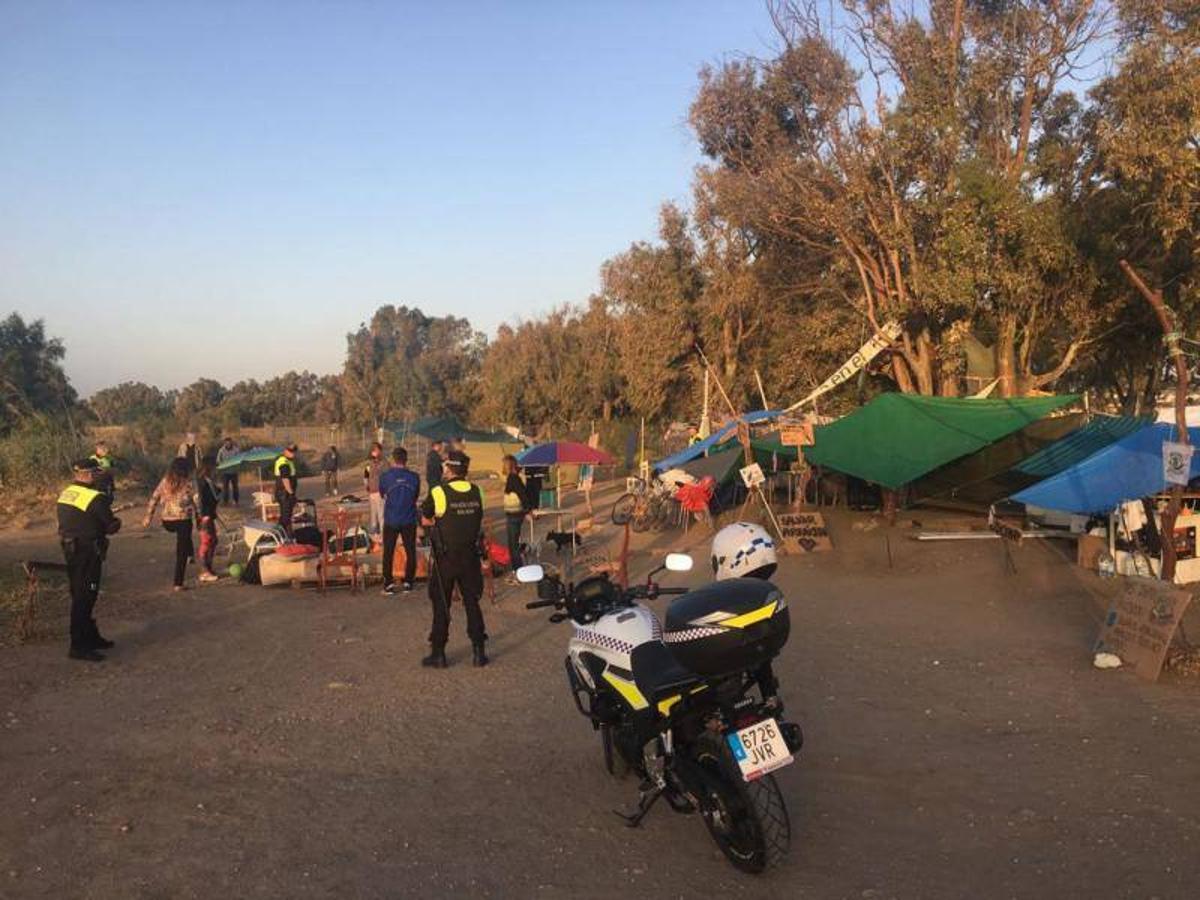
897, 438
1129, 469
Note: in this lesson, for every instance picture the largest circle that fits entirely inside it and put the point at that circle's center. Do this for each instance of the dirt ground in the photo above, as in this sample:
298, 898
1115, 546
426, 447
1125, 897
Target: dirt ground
248, 742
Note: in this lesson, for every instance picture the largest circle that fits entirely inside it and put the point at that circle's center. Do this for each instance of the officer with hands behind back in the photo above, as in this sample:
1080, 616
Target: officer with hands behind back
286, 472
453, 517
85, 520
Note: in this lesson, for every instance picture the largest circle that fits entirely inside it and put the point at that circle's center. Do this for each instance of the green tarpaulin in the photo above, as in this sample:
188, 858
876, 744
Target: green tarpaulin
897, 438
722, 465
1091, 438
983, 477
769, 453
442, 428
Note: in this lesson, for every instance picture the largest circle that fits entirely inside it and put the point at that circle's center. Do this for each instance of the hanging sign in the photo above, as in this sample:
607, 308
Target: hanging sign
878, 342
752, 475
796, 435
1177, 462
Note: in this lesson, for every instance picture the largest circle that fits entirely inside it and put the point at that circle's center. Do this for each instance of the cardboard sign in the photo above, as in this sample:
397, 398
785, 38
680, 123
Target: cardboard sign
1139, 625
797, 435
752, 475
1177, 462
803, 532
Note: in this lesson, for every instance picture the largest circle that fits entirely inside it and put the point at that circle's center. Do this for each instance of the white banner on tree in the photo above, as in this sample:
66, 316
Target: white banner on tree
879, 342
1177, 462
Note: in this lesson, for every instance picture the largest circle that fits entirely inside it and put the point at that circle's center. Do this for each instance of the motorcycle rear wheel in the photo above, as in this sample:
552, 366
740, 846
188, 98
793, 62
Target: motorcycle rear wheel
747, 819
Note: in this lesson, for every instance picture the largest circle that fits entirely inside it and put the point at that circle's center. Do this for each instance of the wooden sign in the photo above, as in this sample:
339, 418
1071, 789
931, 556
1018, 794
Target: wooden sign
796, 435
803, 532
1140, 624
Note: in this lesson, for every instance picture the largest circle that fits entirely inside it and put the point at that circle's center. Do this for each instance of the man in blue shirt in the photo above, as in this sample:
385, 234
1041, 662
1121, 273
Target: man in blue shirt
399, 487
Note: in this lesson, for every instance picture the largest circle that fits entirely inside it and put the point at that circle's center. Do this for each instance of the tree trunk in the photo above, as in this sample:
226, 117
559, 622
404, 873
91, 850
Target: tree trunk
728, 350
1166, 318
900, 373
1006, 358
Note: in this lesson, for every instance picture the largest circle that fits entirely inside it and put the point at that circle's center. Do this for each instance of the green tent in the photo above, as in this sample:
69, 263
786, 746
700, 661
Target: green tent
897, 438
442, 428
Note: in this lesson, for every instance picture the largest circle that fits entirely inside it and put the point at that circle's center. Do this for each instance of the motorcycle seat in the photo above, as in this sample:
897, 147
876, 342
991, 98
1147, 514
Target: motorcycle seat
658, 674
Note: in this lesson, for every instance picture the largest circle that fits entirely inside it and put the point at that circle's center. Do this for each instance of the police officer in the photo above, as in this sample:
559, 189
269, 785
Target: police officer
285, 485
453, 513
85, 520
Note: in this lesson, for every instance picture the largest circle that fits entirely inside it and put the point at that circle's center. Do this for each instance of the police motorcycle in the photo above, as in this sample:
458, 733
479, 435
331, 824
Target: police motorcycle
691, 706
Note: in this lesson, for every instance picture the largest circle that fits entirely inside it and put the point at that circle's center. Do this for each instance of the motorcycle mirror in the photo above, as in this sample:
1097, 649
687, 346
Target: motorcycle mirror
678, 562
530, 574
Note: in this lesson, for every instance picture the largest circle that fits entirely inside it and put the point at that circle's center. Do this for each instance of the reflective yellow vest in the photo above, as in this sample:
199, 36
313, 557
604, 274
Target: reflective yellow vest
78, 496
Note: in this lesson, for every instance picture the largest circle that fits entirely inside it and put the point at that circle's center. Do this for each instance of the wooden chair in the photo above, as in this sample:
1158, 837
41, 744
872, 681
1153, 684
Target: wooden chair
336, 525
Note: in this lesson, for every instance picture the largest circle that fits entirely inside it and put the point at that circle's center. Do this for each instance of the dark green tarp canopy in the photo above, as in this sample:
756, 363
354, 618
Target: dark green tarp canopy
768, 452
1074, 448
442, 428
897, 438
722, 465
985, 476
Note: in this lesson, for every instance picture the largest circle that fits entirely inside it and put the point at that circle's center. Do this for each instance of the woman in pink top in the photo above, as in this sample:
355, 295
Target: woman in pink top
174, 495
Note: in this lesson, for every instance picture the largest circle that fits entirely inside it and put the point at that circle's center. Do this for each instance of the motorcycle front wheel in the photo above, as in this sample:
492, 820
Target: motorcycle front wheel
614, 762
747, 819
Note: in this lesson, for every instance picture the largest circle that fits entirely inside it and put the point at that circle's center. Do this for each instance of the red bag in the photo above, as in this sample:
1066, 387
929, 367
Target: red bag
497, 553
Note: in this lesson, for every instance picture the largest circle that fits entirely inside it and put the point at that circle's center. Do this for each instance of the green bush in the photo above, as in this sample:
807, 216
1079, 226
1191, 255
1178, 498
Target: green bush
38, 455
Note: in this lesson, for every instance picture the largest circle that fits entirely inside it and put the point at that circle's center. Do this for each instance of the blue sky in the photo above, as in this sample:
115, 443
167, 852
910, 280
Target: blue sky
226, 189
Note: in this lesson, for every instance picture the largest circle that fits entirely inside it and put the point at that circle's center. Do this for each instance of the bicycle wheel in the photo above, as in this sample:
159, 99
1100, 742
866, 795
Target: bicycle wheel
623, 509
642, 518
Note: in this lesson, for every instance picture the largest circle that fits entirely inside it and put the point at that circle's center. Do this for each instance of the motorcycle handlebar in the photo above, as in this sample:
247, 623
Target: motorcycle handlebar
539, 604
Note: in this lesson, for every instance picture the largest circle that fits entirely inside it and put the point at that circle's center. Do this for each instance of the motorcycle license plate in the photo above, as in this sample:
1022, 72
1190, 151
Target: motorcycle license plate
759, 749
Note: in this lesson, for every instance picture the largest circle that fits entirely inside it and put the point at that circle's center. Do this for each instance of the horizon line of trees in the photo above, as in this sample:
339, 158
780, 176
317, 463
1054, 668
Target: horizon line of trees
936, 164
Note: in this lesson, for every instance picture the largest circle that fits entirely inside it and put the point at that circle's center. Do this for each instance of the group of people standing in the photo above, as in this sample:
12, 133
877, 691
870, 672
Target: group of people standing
187, 498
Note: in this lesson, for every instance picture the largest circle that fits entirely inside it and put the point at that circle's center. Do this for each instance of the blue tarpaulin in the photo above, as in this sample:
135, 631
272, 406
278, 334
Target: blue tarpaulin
1129, 469
687, 454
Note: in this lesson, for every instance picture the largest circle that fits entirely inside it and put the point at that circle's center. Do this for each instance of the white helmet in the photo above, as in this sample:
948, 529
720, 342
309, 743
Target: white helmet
743, 550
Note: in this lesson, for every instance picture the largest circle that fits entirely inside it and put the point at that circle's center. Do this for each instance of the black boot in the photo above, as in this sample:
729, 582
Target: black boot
436, 658
86, 654
97, 640
478, 656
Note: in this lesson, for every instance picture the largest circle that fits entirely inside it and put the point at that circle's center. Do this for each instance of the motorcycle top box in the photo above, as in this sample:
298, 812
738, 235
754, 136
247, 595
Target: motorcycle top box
727, 626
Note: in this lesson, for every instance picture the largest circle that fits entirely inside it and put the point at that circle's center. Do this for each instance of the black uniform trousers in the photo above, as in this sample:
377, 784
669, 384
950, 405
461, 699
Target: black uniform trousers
84, 564
287, 505
461, 568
